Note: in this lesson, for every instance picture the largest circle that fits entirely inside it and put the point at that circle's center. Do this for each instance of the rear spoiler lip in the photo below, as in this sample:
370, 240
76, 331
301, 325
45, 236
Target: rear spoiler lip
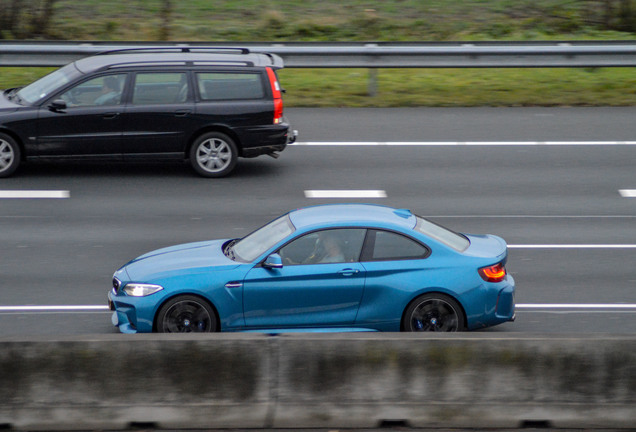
490, 247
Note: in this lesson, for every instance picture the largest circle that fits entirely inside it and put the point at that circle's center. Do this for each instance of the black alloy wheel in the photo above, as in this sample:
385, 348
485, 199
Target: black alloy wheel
186, 314
433, 312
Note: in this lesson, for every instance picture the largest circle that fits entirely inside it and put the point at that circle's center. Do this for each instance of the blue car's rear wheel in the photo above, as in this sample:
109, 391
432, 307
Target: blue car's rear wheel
186, 314
433, 312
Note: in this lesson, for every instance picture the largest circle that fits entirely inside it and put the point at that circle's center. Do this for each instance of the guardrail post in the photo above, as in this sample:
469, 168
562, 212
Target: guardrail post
372, 86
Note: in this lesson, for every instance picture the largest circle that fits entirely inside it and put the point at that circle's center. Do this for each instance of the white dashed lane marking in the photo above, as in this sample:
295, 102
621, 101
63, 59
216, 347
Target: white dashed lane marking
35, 194
54, 308
345, 194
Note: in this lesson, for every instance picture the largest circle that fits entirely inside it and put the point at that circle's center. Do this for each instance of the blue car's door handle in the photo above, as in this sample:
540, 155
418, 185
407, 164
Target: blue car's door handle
348, 272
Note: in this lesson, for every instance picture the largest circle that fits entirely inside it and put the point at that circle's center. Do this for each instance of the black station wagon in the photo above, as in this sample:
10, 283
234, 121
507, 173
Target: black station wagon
207, 104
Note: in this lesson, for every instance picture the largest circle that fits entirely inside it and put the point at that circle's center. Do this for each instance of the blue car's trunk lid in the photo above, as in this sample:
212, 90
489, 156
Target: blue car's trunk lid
489, 247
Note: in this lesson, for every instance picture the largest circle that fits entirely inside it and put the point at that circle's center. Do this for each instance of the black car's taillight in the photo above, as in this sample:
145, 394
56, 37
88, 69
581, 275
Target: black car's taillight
276, 93
493, 273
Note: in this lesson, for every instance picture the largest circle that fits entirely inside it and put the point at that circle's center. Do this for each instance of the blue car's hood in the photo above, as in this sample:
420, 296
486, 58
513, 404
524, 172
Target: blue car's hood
187, 257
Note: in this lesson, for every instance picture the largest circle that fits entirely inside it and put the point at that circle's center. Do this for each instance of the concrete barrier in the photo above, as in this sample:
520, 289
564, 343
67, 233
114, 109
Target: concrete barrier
318, 380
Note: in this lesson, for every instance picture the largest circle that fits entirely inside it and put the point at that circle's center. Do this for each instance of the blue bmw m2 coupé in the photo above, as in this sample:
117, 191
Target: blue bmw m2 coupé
344, 267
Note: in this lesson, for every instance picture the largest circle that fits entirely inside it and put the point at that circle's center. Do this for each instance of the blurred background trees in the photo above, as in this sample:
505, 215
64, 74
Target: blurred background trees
305, 20
26, 19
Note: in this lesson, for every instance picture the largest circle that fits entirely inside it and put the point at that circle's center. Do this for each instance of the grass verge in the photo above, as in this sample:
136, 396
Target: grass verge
437, 87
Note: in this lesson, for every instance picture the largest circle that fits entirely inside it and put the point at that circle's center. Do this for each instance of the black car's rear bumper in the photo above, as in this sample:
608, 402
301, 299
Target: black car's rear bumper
272, 140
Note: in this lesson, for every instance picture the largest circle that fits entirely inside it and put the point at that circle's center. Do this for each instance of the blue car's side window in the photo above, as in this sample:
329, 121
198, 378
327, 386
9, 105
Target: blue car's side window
326, 246
387, 245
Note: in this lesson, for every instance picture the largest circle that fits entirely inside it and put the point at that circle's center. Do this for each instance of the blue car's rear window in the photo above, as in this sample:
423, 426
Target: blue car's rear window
441, 234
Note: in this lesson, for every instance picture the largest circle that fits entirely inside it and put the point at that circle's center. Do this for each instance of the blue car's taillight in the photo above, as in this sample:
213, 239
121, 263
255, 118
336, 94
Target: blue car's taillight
493, 273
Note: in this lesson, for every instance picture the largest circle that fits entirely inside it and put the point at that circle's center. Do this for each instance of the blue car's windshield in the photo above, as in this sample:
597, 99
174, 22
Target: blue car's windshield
48, 84
254, 245
442, 235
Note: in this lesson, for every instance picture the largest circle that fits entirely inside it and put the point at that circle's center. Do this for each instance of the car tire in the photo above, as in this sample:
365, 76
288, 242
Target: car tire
9, 155
186, 314
433, 312
213, 154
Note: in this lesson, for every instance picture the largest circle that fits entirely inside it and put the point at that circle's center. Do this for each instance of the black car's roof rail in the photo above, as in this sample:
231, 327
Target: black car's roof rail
180, 63
183, 49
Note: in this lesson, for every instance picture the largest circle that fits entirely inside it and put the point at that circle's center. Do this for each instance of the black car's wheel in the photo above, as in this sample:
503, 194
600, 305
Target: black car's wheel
9, 155
433, 312
186, 314
213, 155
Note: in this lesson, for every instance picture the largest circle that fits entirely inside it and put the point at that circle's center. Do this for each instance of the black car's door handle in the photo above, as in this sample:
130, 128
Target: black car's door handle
182, 113
110, 115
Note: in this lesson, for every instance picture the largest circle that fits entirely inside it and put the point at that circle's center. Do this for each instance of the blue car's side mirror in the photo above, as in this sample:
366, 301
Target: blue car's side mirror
273, 261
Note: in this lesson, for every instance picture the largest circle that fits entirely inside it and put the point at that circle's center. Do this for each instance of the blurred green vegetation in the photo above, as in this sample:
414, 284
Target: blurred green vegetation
359, 20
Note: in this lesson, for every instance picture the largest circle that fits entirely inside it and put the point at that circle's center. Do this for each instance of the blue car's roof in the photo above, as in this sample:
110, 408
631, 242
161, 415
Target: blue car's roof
351, 215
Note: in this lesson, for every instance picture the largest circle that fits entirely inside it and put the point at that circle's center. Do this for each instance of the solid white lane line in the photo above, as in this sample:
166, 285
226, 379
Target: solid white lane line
534, 216
590, 307
627, 193
52, 308
345, 194
572, 246
465, 143
574, 306
27, 194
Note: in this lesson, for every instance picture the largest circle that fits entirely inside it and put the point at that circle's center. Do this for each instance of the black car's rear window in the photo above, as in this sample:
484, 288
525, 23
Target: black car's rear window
229, 86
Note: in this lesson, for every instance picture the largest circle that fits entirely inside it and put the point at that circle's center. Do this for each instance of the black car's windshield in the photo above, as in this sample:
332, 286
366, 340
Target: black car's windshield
48, 84
254, 245
450, 238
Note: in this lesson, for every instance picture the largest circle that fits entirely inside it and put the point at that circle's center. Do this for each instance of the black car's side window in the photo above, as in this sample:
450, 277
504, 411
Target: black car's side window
229, 86
103, 90
326, 246
387, 245
160, 88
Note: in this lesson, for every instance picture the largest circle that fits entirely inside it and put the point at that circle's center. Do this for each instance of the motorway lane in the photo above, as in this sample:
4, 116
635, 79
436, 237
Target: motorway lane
465, 124
63, 252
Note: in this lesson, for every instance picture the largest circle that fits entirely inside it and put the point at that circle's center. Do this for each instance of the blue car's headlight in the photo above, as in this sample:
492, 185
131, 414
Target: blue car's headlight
141, 290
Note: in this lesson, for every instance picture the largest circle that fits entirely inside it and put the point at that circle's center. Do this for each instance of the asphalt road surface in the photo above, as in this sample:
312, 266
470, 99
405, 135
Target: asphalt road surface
556, 183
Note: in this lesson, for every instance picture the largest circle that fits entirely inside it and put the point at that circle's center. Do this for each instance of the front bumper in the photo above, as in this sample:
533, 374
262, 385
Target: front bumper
125, 314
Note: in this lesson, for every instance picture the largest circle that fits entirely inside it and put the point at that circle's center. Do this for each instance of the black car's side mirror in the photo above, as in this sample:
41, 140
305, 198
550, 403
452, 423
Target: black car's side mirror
58, 105
273, 261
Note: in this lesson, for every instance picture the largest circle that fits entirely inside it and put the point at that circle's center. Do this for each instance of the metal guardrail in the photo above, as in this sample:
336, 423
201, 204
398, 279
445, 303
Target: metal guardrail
366, 55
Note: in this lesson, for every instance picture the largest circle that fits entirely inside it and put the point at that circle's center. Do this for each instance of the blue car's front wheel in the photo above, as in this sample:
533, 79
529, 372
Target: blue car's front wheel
186, 314
433, 312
